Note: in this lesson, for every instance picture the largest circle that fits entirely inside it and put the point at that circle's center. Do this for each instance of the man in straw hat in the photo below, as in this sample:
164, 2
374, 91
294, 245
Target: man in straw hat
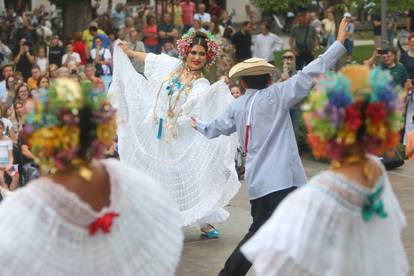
261, 119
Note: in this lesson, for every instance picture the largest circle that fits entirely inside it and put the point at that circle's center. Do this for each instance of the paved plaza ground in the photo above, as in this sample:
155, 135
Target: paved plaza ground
206, 257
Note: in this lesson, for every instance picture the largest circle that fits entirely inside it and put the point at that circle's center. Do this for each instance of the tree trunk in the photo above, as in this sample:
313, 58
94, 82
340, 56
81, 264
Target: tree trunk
76, 17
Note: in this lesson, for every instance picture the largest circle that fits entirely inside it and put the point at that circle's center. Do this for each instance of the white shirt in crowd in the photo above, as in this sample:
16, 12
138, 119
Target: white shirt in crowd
42, 63
6, 145
205, 17
74, 59
106, 54
3, 89
266, 45
7, 124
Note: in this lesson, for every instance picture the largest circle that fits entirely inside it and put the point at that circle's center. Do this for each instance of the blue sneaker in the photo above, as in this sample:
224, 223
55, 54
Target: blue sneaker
212, 234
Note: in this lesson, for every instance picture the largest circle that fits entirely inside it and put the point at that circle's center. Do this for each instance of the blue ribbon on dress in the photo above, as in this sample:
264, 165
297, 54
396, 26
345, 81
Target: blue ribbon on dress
374, 205
160, 126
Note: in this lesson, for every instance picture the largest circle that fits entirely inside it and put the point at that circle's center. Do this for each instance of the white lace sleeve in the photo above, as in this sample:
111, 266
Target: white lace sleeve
157, 67
207, 102
128, 88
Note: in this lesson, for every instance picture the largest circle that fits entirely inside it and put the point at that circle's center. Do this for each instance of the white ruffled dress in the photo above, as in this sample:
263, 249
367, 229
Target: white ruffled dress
44, 230
198, 173
319, 230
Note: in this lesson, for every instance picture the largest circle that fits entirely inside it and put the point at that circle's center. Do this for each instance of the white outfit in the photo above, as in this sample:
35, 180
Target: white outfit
6, 145
265, 46
74, 58
106, 54
205, 17
43, 63
44, 230
199, 174
319, 230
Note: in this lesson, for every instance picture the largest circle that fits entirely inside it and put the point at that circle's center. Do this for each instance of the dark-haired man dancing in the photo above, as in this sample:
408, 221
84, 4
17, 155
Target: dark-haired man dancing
261, 119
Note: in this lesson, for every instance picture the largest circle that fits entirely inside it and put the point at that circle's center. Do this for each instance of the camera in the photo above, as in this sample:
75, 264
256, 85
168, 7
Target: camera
382, 51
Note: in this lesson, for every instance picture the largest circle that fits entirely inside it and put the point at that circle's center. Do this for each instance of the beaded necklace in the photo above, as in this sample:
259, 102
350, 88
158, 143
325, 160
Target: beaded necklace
174, 87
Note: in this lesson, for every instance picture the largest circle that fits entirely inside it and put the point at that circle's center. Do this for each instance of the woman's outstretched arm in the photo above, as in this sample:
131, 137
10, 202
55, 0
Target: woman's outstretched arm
134, 54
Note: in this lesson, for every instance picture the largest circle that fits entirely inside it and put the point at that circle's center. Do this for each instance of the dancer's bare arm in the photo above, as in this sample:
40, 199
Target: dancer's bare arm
134, 54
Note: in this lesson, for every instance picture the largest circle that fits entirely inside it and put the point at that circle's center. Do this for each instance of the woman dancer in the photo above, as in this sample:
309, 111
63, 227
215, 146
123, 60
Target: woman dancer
86, 217
155, 133
346, 220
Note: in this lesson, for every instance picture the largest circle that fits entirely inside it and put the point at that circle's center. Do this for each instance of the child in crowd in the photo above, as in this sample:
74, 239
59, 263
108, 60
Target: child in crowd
235, 90
41, 60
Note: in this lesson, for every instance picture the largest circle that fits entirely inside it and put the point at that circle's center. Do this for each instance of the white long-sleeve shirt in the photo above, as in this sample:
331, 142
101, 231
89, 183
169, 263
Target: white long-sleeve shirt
273, 162
266, 45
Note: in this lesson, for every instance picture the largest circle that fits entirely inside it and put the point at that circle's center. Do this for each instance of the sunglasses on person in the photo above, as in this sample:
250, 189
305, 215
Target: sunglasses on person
287, 57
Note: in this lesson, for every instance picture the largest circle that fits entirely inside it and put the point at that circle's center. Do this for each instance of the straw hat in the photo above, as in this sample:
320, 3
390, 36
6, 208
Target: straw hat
251, 67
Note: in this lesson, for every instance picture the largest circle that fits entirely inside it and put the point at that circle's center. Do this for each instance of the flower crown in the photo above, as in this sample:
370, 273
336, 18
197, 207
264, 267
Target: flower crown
53, 130
355, 106
184, 46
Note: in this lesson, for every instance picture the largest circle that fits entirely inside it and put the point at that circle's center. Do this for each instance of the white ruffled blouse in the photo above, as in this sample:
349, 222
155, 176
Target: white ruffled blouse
45, 229
320, 230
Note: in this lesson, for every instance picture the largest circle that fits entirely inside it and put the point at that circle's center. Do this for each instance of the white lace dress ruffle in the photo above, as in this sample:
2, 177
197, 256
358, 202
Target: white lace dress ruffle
44, 230
198, 173
319, 230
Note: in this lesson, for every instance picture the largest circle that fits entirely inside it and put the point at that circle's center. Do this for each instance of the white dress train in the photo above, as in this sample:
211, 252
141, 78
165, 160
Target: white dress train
198, 173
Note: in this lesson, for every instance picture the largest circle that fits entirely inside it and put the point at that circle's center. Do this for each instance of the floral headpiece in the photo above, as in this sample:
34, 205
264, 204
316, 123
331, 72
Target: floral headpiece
52, 125
184, 46
355, 106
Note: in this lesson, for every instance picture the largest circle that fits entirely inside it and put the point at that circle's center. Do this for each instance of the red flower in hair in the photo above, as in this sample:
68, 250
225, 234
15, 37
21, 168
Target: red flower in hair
376, 112
353, 117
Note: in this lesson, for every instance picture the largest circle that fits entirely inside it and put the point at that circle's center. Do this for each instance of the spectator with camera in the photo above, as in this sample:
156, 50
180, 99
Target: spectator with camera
23, 58
386, 59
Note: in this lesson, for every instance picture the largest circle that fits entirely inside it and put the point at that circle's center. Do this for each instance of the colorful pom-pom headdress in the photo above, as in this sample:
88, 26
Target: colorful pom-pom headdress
69, 125
184, 46
356, 106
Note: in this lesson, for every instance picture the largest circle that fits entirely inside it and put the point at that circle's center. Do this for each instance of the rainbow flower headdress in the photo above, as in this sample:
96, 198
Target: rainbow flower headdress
357, 106
53, 126
184, 46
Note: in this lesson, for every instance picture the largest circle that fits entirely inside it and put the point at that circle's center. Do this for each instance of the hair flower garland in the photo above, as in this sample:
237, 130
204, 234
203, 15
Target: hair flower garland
353, 107
184, 46
69, 124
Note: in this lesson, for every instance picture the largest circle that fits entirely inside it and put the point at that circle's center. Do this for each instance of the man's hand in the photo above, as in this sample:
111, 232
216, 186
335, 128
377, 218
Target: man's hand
193, 122
284, 76
341, 31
